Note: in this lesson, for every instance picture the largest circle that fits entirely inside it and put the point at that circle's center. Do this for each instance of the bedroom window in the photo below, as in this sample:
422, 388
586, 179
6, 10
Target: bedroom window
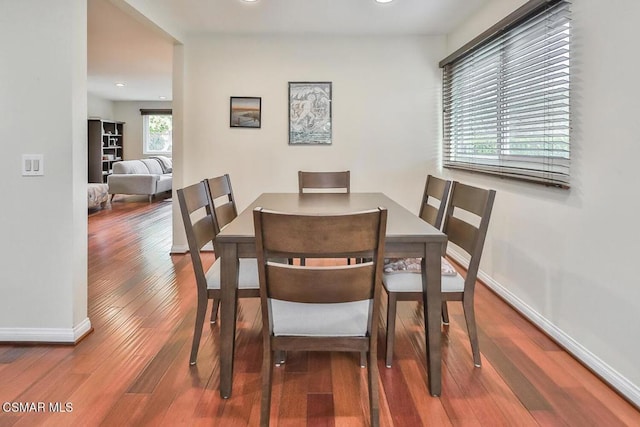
506, 97
157, 131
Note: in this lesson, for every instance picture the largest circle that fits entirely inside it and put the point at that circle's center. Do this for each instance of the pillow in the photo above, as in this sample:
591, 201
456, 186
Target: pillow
165, 162
153, 165
412, 265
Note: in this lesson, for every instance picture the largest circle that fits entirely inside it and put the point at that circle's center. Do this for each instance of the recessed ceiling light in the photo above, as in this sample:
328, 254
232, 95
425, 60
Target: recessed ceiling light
162, 97
120, 84
384, 1
250, 1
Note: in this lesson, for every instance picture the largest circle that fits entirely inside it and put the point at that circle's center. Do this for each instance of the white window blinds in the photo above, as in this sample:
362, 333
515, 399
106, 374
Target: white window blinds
506, 98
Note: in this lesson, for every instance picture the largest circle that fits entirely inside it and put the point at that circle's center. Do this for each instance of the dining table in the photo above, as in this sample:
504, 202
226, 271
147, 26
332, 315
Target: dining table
407, 236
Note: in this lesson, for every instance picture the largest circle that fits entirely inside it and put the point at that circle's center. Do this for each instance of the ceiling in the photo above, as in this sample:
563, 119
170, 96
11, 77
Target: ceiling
120, 48
123, 48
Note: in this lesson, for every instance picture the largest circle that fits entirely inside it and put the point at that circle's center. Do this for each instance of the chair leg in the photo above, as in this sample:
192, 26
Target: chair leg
470, 318
374, 407
197, 331
267, 373
391, 326
214, 309
445, 313
363, 359
280, 357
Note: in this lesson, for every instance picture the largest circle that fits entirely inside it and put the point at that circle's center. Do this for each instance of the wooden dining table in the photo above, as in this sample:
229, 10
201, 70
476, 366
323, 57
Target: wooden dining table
407, 236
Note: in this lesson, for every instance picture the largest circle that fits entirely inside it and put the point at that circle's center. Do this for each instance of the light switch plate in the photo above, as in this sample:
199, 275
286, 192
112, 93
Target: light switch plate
32, 165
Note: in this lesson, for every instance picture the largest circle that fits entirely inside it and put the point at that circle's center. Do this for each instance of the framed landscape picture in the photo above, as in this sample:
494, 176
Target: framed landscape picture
245, 112
309, 113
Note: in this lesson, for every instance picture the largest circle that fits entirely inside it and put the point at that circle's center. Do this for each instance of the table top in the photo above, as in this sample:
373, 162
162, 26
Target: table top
402, 225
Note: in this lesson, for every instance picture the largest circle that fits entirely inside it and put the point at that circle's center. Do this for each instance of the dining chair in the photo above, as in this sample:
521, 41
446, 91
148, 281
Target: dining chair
432, 209
334, 181
200, 227
224, 211
319, 308
465, 202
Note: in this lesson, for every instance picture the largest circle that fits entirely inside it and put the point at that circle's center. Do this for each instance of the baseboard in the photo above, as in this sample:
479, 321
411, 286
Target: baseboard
47, 335
619, 382
179, 249
182, 249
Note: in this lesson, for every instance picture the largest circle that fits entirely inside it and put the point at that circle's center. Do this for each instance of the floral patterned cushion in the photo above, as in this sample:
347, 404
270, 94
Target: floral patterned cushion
412, 265
98, 194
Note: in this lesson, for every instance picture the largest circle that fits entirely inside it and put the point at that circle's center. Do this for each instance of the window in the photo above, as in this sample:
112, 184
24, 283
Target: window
157, 127
506, 97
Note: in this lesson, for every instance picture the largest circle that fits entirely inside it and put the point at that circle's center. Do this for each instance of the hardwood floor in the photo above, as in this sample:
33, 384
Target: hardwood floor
133, 369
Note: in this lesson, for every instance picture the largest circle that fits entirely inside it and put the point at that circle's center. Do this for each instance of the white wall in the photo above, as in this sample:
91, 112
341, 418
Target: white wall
43, 224
129, 112
568, 258
385, 118
98, 107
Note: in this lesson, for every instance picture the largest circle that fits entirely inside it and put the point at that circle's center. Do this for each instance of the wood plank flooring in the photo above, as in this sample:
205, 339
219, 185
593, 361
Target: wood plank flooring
133, 369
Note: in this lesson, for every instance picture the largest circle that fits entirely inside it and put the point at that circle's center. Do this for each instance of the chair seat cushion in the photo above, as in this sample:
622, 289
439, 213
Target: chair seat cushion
247, 276
412, 265
97, 194
410, 282
347, 319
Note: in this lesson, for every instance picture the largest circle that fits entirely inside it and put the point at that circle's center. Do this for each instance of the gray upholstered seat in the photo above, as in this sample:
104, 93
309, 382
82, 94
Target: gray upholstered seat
247, 274
412, 281
348, 319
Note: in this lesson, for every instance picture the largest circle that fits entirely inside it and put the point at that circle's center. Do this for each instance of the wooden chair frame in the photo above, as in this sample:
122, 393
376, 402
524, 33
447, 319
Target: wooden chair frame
319, 236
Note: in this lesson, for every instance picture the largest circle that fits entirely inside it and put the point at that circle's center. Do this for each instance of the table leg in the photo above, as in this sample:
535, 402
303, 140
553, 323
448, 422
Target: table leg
432, 305
228, 307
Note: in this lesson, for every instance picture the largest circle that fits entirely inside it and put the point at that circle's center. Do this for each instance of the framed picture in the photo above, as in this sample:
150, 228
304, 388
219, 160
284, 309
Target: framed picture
309, 113
245, 112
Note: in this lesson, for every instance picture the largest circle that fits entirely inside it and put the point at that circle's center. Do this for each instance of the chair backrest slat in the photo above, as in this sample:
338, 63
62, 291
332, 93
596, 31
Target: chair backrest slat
220, 186
225, 214
430, 214
471, 199
462, 234
320, 285
203, 231
324, 180
434, 188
